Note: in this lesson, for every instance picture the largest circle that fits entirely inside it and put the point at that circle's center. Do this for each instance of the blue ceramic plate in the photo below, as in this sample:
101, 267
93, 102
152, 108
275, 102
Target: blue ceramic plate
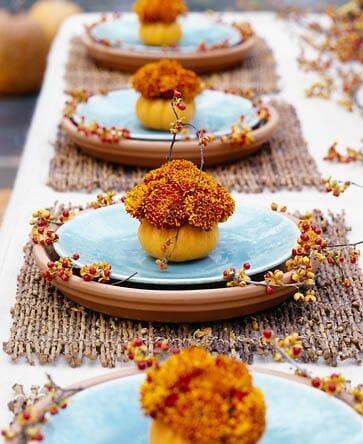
256, 235
118, 109
123, 33
296, 414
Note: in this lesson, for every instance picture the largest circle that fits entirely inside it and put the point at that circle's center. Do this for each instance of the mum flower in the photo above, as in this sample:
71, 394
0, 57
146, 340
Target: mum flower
179, 193
166, 11
161, 79
205, 399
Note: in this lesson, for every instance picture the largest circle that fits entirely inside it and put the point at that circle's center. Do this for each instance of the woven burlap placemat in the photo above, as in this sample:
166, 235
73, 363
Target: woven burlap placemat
257, 71
47, 325
284, 162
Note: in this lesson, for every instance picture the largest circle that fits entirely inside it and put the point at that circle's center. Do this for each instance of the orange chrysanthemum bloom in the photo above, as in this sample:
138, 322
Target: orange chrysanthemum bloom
178, 193
159, 80
205, 399
166, 11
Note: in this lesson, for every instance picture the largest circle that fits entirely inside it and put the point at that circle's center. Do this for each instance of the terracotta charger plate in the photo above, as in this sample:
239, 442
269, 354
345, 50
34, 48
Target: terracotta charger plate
102, 42
166, 305
107, 409
186, 292
216, 112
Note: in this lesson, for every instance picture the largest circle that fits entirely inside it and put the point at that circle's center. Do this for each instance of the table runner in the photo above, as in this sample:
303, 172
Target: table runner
283, 163
257, 71
47, 325
31, 191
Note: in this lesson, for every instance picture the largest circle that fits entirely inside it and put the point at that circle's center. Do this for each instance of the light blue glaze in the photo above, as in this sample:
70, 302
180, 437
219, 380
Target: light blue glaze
296, 414
195, 30
256, 235
216, 112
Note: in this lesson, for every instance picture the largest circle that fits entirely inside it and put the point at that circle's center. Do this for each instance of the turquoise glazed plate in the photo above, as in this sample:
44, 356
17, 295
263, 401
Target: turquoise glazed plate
109, 413
123, 33
117, 109
256, 235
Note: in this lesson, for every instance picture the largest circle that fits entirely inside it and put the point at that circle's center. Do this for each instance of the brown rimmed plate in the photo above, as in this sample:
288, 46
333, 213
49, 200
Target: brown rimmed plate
106, 409
152, 153
113, 43
159, 303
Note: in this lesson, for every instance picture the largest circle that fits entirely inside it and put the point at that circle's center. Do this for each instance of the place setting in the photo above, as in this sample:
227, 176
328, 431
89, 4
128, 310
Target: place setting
131, 126
164, 29
128, 403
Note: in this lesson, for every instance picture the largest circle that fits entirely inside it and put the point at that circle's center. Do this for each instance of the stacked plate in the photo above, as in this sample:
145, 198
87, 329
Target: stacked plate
217, 112
109, 412
184, 292
114, 43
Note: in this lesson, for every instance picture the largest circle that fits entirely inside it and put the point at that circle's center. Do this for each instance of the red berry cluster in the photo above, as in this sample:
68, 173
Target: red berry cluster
273, 279
336, 187
103, 200
178, 100
162, 263
244, 91
203, 138
137, 351
354, 255
176, 127
229, 274
66, 215
241, 134
237, 279
28, 422
41, 234
100, 271
311, 246
203, 46
61, 268
333, 384
105, 134
77, 96
352, 155
291, 345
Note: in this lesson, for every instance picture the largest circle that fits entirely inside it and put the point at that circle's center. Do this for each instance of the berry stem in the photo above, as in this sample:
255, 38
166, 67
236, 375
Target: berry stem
124, 280
354, 244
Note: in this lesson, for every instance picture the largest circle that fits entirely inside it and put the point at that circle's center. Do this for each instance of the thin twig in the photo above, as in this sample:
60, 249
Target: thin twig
355, 244
171, 147
125, 280
174, 246
355, 99
266, 284
197, 131
291, 361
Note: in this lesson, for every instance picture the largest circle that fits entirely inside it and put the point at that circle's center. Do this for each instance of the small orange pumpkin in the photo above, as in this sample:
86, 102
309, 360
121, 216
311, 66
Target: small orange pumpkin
23, 53
51, 13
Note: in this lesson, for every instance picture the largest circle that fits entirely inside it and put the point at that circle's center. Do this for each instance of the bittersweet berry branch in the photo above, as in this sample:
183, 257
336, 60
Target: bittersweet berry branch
203, 140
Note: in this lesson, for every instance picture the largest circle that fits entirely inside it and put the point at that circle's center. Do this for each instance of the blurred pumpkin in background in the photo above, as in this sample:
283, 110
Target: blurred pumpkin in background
51, 13
23, 53
25, 38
